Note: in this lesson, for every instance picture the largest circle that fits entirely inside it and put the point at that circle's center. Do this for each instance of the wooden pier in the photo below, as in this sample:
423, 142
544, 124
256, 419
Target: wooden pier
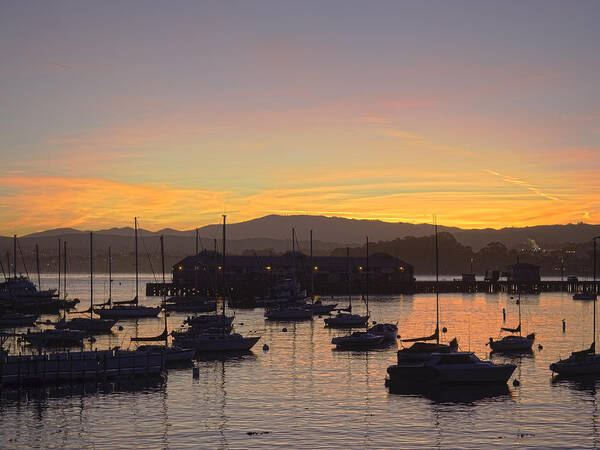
418, 287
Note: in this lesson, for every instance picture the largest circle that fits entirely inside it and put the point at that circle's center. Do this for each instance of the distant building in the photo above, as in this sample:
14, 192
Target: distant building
253, 275
524, 273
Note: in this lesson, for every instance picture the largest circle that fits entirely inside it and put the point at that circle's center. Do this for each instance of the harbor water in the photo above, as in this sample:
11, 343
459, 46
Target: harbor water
302, 393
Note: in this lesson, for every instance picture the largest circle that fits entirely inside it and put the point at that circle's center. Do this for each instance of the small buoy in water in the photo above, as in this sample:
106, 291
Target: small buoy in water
120, 327
265, 347
284, 330
540, 346
516, 382
196, 372
374, 323
241, 323
444, 330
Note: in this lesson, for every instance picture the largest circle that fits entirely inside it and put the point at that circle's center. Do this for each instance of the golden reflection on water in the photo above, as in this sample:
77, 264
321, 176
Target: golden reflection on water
301, 393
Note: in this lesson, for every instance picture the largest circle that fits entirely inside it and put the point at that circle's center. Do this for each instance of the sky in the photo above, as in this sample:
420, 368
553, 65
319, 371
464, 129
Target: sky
486, 114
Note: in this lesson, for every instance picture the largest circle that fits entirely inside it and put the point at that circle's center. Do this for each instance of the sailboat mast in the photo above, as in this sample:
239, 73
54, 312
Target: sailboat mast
367, 287
37, 263
59, 261
65, 269
109, 278
223, 263
312, 270
136, 260
595, 294
15, 256
294, 262
437, 287
519, 303
91, 275
162, 260
349, 280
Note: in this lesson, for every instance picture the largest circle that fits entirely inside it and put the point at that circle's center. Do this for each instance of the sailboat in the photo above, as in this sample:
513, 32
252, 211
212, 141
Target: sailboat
389, 331
360, 339
513, 342
584, 362
173, 354
345, 318
290, 311
219, 340
422, 348
130, 309
316, 307
91, 325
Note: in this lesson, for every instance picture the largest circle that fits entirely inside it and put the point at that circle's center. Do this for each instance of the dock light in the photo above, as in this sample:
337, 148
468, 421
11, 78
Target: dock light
180, 267
316, 268
360, 268
268, 268
220, 268
401, 268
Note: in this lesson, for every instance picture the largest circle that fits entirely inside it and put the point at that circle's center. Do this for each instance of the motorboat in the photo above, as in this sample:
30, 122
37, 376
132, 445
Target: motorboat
288, 313
358, 340
15, 320
286, 291
54, 338
451, 368
389, 331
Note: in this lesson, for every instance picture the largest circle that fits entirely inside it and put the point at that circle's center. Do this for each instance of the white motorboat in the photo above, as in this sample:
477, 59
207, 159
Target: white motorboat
358, 340
584, 362
389, 331
451, 368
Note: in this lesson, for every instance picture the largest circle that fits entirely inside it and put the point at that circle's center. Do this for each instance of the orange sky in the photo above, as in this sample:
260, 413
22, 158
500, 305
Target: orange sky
474, 112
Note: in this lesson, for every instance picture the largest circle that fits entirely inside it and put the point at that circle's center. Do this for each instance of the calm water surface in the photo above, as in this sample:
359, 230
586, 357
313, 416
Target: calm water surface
302, 394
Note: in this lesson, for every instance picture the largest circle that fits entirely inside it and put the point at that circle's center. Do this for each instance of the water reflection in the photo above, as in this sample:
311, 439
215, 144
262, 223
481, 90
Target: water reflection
451, 394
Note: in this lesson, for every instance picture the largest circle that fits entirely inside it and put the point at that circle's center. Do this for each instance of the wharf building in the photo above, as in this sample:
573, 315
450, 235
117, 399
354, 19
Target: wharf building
248, 276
